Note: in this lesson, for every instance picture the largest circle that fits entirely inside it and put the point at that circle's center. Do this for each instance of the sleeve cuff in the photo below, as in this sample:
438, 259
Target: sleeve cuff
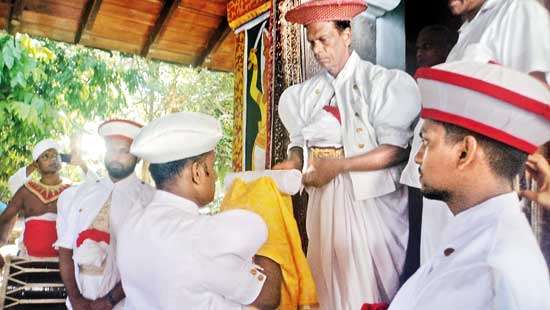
394, 136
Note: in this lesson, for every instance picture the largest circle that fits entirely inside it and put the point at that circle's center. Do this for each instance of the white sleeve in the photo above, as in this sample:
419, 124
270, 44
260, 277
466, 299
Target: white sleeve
289, 112
396, 106
17, 180
523, 37
230, 241
65, 219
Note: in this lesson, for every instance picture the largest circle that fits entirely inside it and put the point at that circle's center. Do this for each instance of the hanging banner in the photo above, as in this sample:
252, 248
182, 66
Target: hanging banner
255, 96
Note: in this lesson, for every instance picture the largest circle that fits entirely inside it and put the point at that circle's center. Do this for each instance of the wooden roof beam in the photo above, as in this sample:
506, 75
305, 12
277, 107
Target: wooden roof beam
168, 9
89, 14
15, 13
214, 42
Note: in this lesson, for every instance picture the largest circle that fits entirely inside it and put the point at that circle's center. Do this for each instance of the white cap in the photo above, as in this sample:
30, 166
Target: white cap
119, 128
500, 103
43, 146
177, 136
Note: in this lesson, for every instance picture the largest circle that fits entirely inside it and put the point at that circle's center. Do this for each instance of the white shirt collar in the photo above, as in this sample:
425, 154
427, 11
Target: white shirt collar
347, 70
481, 214
164, 198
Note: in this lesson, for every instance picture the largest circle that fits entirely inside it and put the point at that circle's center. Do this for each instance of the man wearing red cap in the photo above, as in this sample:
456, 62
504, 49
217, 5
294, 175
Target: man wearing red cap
37, 201
89, 217
513, 33
349, 128
474, 143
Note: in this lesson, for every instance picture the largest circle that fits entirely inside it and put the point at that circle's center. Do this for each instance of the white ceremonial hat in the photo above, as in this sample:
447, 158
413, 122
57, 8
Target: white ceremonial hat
43, 146
119, 128
500, 103
177, 136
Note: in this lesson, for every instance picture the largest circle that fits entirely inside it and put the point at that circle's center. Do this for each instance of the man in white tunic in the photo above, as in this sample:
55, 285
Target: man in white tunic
351, 125
474, 143
172, 257
514, 33
89, 216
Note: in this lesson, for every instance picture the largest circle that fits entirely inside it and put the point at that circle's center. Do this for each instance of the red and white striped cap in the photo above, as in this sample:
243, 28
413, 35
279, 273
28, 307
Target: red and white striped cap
119, 128
325, 10
490, 99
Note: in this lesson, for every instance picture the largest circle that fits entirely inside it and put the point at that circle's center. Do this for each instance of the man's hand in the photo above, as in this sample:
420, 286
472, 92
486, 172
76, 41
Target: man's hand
539, 169
322, 171
101, 304
76, 160
80, 303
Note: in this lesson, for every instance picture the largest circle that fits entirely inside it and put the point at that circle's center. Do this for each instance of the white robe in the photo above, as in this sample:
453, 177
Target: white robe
357, 223
171, 257
77, 210
492, 261
514, 33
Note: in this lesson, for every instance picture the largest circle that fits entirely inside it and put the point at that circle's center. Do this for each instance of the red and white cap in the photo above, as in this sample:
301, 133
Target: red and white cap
119, 128
490, 99
325, 10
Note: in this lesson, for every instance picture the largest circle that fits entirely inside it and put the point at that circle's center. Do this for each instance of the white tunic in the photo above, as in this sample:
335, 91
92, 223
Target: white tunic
514, 33
357, 223
77, 210
170, 257
496, 264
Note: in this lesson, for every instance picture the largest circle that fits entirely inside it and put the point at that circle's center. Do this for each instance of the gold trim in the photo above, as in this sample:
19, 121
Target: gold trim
237, 22
326, 153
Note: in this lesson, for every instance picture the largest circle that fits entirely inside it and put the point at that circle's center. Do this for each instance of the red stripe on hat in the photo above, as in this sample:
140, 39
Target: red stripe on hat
480, 128
498, 92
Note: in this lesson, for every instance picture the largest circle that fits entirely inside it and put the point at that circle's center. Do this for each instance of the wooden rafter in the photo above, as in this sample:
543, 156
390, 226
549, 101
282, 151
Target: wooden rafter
89, 14
168, 8
15, 13
214, 42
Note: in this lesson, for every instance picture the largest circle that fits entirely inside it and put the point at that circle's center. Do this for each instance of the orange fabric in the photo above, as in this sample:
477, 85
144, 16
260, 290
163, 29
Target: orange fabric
283, 244
39, 237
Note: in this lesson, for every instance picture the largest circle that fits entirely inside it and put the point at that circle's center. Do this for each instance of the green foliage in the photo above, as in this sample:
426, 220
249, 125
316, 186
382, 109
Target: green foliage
50, 89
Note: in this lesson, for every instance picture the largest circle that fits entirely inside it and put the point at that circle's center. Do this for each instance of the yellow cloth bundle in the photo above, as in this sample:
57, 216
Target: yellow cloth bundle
283, 244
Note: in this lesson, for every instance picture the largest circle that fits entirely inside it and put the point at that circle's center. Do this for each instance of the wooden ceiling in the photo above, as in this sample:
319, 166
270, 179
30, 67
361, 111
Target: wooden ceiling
190, 32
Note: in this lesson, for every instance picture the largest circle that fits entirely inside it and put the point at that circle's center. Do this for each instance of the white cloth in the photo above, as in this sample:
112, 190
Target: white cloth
170, 257
514, 33
288, 181
77, 209
356, 245
43, 146
377, 106
18, 179
496, 264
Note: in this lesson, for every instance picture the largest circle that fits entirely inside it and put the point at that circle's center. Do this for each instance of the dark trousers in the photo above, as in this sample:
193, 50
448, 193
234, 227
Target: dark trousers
412, 258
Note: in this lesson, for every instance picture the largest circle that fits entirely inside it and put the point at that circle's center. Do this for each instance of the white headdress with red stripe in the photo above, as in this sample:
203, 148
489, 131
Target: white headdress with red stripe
490, 99
119, 128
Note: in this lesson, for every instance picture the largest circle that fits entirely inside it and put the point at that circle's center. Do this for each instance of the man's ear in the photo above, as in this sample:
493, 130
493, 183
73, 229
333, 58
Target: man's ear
347, 34
195, 172
468, 149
